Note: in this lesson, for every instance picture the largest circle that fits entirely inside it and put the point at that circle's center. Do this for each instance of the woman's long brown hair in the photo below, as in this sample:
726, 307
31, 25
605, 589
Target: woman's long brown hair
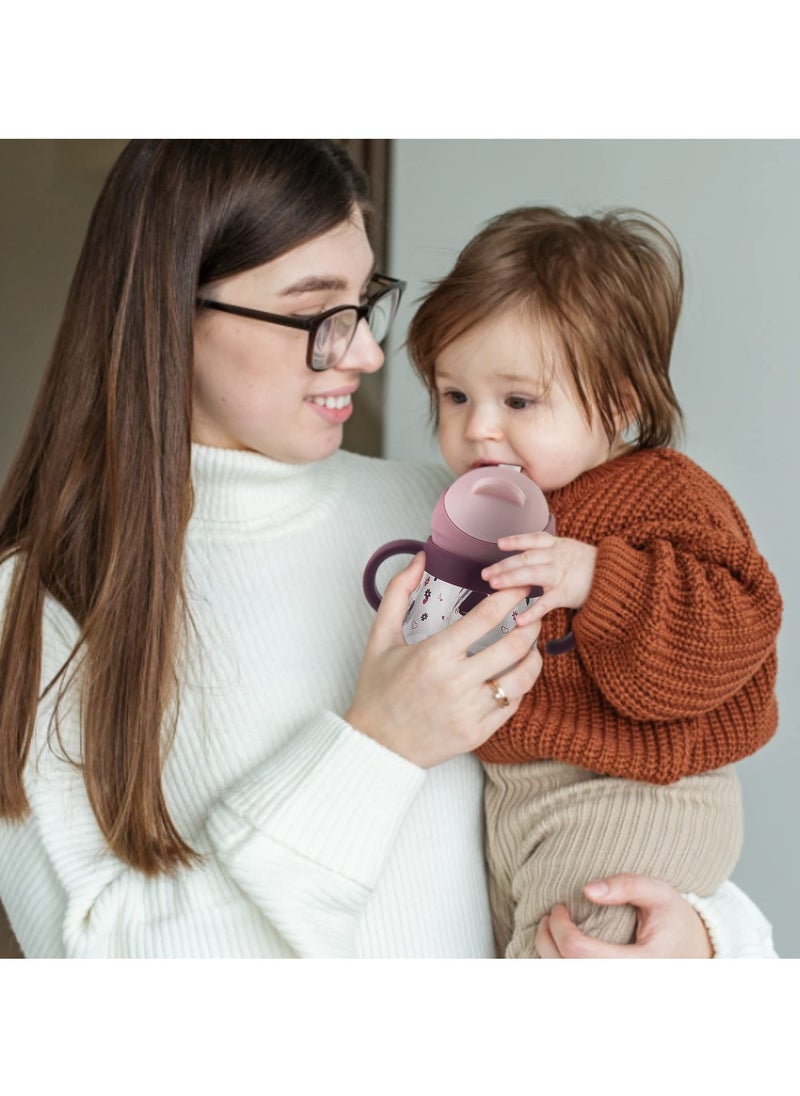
96, 505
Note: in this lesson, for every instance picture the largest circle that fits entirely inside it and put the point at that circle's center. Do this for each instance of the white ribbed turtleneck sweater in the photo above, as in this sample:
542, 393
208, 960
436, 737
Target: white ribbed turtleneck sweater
317, 841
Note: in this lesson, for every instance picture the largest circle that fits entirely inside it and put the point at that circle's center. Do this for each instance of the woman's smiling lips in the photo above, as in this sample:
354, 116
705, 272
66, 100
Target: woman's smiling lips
335, 407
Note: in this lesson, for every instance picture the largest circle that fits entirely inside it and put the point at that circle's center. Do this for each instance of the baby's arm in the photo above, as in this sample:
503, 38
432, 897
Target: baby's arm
674, 628
704, 600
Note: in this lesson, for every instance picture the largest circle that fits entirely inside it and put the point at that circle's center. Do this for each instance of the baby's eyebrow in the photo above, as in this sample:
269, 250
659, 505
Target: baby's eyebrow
528, 380
519, 378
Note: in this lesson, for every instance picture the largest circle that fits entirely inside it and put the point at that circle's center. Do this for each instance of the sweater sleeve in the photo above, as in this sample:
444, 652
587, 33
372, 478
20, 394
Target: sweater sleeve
737, 927
290, 854
679, 632
307, 833
679, 619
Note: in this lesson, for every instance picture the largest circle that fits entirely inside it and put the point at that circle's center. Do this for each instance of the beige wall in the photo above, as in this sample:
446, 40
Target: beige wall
47, 190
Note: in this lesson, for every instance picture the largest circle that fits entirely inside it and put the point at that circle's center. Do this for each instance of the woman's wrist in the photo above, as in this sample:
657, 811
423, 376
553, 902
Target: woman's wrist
708, 927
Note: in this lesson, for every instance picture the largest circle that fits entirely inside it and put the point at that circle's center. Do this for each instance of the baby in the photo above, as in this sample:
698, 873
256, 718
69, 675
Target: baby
548, 346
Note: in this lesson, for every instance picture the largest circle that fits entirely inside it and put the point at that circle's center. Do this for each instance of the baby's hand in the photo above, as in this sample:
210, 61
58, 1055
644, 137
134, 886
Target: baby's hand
563, 568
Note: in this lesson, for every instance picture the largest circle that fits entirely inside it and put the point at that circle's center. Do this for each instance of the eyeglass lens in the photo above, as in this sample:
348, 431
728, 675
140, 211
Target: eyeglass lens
382, 314
335, 335
333, 339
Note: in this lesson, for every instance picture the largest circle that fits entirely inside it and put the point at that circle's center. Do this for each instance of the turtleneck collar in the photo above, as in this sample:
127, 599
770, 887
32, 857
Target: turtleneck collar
237, 491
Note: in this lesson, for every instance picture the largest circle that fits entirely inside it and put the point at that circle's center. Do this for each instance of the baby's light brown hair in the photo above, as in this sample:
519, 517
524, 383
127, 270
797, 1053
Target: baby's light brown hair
606, 289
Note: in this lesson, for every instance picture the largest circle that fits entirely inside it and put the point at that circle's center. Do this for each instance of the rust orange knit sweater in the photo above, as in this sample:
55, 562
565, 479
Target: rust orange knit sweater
674, 665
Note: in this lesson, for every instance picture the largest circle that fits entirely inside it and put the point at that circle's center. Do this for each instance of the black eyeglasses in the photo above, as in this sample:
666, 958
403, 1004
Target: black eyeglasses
331, 332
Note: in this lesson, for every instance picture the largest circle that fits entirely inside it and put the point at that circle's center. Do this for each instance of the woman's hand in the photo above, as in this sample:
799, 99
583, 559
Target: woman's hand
667, 926
564, 569
430, 701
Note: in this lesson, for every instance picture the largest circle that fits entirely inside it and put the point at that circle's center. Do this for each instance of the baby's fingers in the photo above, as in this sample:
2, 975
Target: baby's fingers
519, 542
527, 567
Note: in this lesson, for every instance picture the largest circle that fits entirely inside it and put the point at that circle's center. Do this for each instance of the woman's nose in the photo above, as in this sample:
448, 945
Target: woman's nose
363, 353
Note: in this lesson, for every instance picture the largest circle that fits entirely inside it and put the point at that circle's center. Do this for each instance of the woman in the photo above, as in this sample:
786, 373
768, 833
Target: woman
192, 764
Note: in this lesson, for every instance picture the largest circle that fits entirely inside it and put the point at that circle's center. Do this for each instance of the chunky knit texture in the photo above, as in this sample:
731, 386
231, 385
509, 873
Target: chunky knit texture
674, 667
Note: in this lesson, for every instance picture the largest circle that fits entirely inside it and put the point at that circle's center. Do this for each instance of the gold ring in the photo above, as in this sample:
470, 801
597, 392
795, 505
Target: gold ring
498, 693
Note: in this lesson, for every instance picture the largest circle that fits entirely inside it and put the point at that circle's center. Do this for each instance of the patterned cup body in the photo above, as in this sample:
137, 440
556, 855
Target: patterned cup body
435, 604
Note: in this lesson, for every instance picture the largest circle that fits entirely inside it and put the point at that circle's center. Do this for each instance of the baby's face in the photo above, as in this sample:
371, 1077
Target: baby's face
503, 400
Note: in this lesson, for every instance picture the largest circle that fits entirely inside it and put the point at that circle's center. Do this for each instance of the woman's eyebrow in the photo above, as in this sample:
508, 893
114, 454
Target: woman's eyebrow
322, 283
315, 283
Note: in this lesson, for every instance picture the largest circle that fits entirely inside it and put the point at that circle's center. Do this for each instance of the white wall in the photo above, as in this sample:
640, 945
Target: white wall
734, 208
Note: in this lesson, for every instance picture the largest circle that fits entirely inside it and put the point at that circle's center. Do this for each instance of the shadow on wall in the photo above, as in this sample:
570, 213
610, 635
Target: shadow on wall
8, 945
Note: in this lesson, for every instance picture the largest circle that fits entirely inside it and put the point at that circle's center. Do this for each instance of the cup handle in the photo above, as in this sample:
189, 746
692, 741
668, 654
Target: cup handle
393, 548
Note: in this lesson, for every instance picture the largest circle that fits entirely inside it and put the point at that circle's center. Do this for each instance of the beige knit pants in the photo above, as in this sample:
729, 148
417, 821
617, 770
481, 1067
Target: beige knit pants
552, 827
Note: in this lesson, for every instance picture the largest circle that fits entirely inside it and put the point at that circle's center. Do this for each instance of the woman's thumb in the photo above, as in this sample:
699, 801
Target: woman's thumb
394, 605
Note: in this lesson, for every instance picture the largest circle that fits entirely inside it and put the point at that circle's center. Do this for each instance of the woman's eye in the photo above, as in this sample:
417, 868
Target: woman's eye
307, 313
308, 310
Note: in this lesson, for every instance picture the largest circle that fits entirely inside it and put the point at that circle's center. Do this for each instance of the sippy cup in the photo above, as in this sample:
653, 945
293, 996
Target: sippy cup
478, 508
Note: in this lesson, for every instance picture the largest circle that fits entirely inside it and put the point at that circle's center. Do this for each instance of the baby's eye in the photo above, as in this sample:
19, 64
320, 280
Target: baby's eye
520, 403
452, 395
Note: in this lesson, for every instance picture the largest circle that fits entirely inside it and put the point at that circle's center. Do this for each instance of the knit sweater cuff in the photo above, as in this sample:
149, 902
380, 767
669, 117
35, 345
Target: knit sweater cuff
332, 795
736, 926
621, 582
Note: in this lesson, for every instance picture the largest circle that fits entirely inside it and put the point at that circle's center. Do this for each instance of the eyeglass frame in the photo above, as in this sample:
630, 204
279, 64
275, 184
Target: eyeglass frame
312, 324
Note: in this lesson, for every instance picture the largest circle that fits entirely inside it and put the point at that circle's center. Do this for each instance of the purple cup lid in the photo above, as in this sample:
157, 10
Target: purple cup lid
485, 504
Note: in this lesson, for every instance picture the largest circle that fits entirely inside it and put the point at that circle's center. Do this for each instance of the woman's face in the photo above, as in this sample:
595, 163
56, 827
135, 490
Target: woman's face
252, 388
